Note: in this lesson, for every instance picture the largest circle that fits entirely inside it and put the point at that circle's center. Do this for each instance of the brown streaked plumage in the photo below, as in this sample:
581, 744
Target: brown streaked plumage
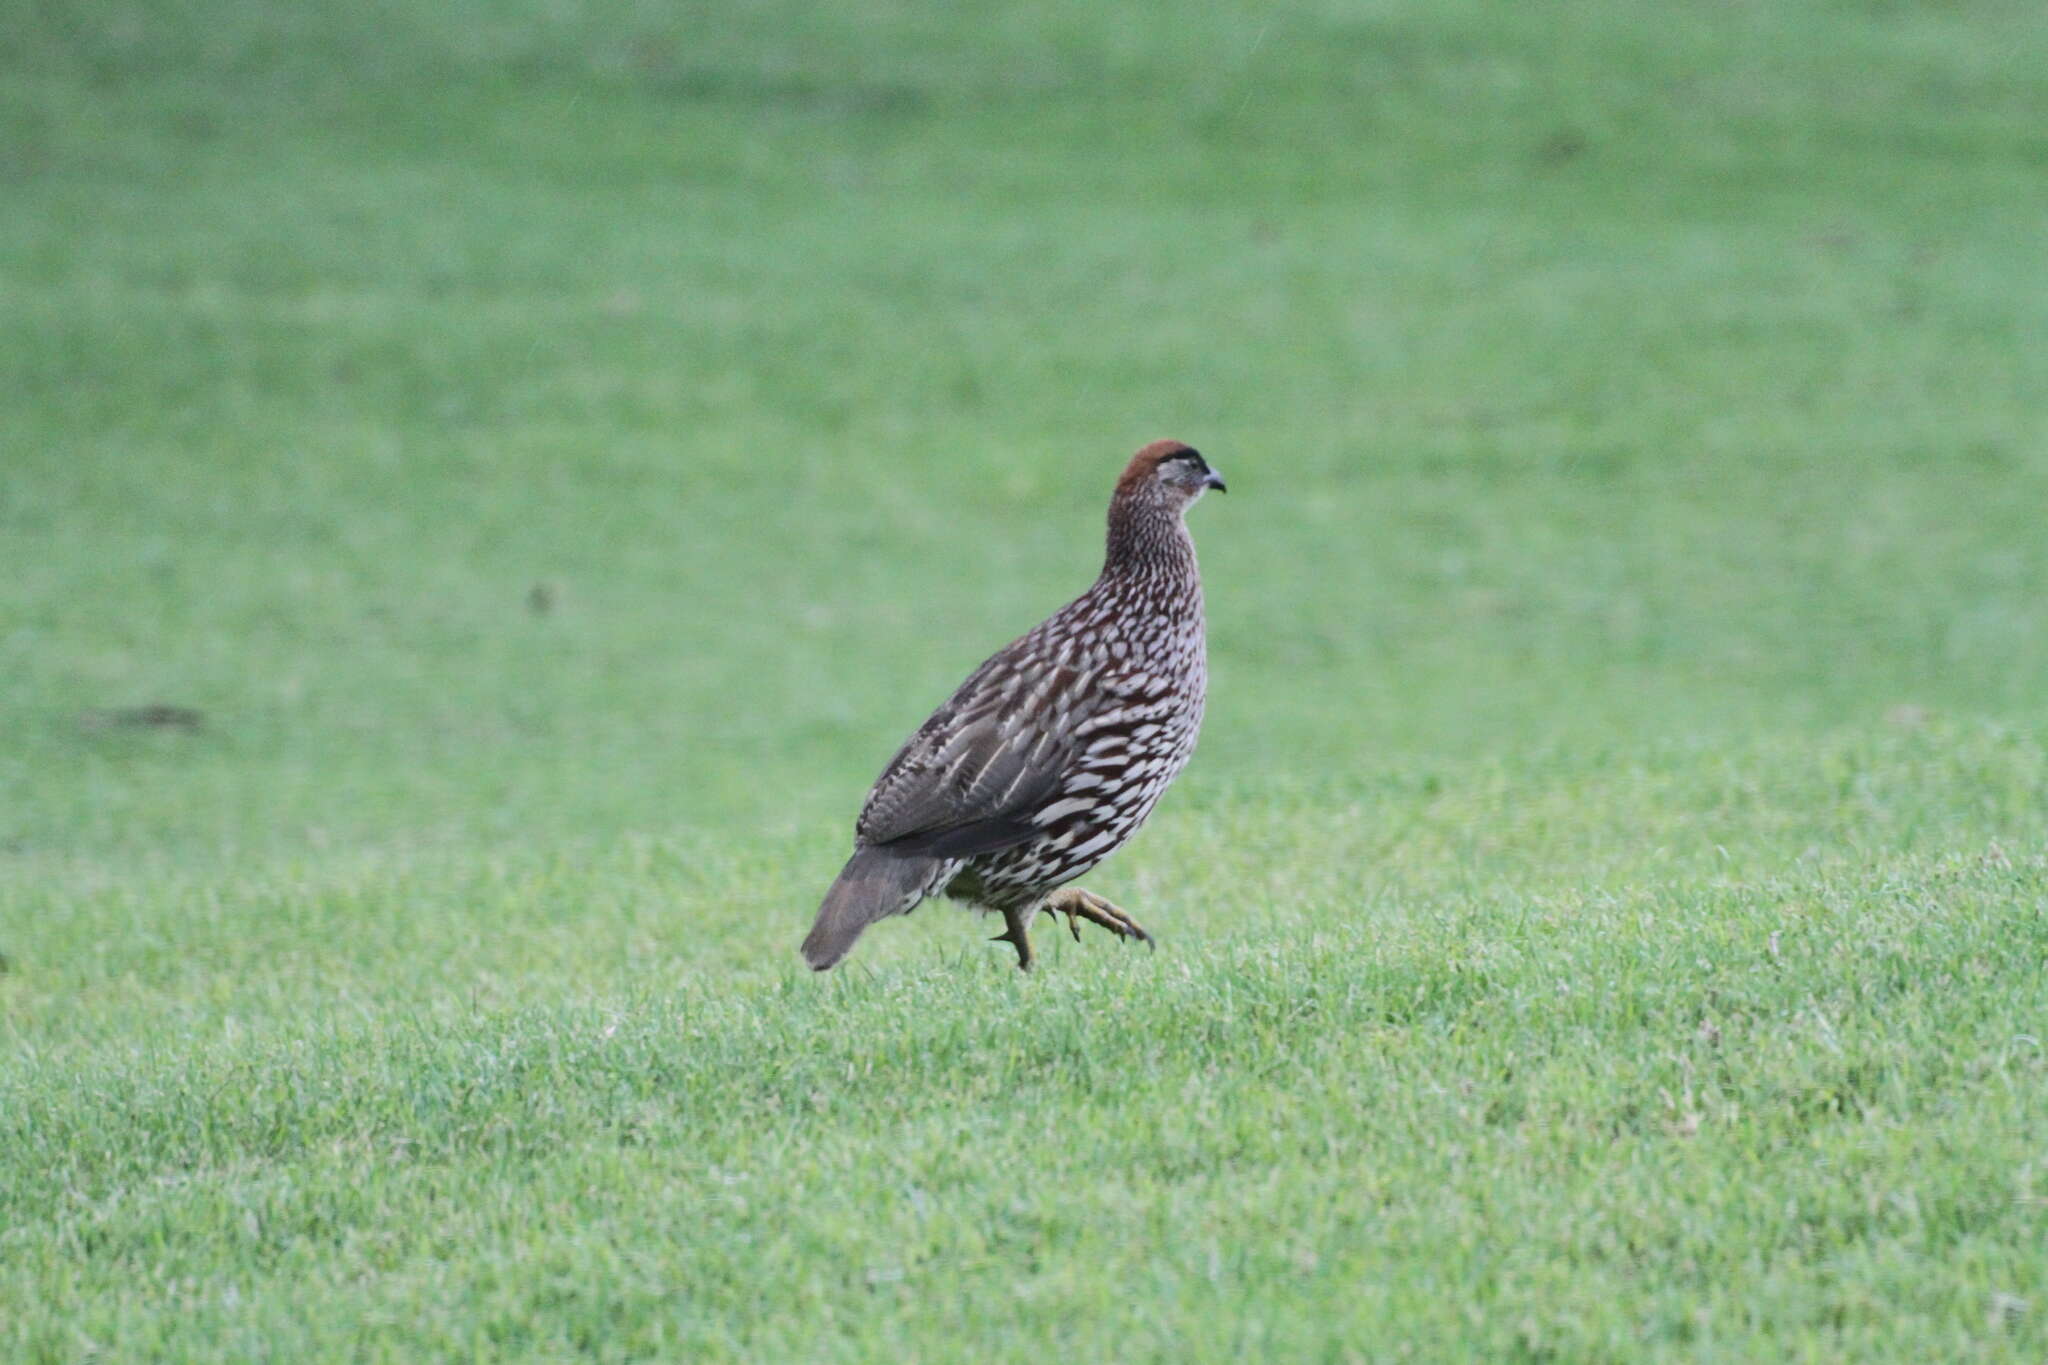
1054, 751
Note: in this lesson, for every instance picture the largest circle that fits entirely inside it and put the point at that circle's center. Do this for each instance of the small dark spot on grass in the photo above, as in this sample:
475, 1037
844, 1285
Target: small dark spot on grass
195, 125
154, 716
1838, 240
1562, 147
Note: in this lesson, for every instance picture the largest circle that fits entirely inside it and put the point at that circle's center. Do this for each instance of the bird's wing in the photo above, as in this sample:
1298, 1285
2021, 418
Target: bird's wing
973, 775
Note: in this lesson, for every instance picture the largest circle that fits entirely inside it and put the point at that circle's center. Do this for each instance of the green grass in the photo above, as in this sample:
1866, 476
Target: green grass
1604, 921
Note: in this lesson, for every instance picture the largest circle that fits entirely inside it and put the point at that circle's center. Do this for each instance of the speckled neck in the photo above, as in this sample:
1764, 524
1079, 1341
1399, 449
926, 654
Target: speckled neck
1148, 539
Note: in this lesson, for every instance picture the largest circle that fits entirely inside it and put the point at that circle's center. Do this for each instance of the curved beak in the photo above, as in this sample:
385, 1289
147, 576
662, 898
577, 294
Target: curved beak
1214, 480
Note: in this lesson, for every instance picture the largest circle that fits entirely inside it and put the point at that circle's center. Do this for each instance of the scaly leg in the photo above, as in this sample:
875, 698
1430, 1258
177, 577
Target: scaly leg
1016, 937
1078, 905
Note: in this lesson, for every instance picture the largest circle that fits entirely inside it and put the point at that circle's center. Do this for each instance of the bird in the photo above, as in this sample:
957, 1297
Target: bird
1052, 753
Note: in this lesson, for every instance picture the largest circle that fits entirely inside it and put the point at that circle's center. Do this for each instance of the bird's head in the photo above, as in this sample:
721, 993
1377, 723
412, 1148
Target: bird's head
1168, 473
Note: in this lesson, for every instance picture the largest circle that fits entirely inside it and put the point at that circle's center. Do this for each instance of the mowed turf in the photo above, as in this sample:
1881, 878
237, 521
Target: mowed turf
559, 450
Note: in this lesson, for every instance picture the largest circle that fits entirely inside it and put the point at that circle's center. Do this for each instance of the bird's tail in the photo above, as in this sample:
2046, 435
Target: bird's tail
874, 884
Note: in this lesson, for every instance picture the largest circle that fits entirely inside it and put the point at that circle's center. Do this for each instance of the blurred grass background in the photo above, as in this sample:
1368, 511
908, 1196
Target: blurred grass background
1634, 414
1612, 371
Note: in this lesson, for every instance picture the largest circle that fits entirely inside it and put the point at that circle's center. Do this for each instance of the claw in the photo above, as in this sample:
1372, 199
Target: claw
1078, 905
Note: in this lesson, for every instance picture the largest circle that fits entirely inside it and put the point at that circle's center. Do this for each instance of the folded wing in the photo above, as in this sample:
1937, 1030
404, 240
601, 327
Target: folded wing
998, 750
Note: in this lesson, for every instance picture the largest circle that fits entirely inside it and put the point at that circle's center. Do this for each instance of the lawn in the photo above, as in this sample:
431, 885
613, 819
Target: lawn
555, 451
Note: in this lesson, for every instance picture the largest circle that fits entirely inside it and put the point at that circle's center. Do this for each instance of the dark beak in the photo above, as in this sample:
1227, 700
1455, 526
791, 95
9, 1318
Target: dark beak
1214, 480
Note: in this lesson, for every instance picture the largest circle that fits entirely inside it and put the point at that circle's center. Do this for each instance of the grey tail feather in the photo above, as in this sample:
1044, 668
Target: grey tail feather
874, 884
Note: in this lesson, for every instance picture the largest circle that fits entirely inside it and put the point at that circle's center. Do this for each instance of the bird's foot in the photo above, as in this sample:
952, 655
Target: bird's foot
1078, 905
1015, 936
